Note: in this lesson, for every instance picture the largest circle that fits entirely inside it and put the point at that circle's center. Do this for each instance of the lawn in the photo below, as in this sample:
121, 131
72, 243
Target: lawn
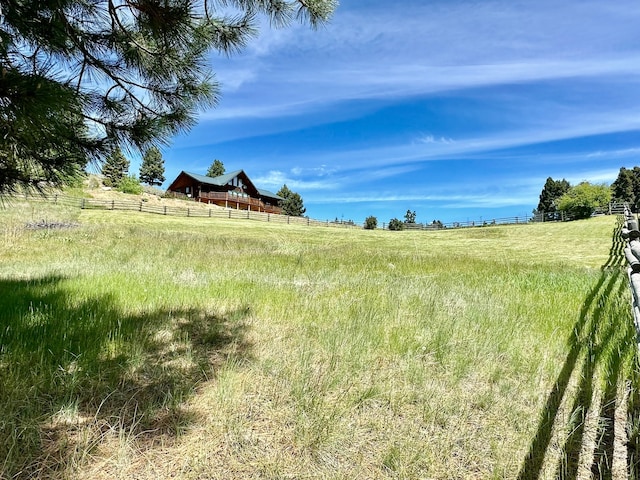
142, 346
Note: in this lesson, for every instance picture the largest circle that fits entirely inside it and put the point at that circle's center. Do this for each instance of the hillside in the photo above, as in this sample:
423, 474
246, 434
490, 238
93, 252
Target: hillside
144, 346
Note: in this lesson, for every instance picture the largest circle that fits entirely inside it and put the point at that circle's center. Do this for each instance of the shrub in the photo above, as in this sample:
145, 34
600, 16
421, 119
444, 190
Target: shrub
396, 224
583, 199
370, 223
130, 184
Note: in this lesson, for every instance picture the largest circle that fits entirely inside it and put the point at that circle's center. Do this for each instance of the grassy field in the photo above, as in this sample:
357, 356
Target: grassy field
142, 346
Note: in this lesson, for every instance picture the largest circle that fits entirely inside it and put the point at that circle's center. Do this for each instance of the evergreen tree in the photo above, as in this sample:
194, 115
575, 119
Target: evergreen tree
552, 191
636, 187
80, 77
152, 168
622, 188
115, 168
292, 204
216, 169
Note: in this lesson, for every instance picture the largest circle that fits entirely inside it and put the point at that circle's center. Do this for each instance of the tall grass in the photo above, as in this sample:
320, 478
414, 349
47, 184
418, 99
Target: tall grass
135, 345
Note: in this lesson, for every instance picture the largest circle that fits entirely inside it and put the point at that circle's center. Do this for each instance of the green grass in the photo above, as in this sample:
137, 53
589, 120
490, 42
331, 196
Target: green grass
148, 346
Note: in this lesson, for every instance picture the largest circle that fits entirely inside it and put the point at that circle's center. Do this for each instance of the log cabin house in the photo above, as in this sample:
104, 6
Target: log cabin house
231, 190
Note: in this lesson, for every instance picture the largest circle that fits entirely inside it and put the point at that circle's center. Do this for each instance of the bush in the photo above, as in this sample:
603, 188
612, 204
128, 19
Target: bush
583, 199
370, 223
130, 184
396, 224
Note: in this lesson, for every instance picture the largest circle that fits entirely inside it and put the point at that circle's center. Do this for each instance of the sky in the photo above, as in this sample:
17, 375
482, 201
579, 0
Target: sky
458, 110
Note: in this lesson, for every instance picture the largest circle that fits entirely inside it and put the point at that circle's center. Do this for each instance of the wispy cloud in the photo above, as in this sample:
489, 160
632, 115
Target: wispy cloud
276, 179
409, 50
449, 103
449, 201
626, 152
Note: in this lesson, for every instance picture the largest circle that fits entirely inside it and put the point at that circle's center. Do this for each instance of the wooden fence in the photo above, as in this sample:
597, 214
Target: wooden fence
466, 224
201, 210
631, 233
214, 211
198, 210
613, 208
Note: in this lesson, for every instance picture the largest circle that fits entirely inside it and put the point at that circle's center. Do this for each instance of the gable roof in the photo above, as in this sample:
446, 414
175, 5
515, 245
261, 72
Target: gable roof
226, 178
219, 180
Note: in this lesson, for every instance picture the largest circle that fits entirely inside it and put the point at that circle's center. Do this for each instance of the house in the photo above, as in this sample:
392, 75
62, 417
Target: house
231, 190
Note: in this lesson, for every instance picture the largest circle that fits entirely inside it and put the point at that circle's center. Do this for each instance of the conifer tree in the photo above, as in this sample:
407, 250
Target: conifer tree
80, 78
216, 169
115, 168
552, 191
292, 204
622, 189
152, 168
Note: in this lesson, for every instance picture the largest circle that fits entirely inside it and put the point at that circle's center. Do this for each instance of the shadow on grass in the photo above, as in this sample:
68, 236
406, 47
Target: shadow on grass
74, 371
603, 337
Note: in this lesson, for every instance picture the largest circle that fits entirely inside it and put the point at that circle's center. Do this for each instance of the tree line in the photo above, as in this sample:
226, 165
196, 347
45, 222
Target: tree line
561, 199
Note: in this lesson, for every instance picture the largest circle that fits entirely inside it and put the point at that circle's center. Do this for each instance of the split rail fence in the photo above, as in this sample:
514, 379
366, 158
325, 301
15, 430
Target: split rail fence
631, 233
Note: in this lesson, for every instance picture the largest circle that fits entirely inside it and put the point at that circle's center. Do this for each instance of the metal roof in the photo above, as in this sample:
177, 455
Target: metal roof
219, 180
226, 178
267, 193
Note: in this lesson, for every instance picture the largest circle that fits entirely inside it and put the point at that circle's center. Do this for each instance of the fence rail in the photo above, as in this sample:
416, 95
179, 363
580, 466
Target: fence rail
631, 233
466, 224
198, 210
613, 208
215, 211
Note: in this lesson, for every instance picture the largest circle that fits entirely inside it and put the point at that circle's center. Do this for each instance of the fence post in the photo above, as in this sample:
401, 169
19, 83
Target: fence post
165, 209
209, 213
268, 217
187, 211
287, 219
82, 206
229, 213
141, 205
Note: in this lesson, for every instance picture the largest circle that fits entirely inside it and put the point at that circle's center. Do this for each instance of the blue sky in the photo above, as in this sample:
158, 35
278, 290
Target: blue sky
457, 110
